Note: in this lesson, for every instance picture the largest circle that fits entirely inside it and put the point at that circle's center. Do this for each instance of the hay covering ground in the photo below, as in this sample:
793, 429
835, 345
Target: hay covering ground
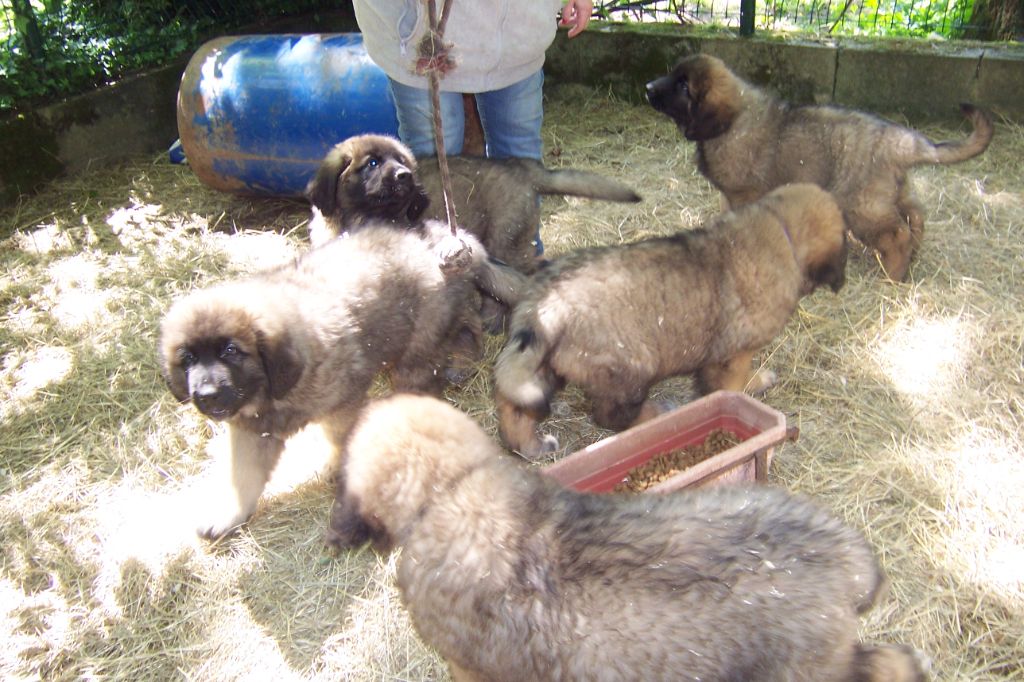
908, 398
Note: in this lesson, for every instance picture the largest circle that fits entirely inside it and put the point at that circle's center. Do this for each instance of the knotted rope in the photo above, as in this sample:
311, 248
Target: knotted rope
434, 60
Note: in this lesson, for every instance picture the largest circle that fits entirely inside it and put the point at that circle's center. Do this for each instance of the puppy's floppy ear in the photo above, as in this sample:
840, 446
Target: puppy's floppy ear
708, 119
712, 101
419, 203
170, 353
176, 378
322, 190
832, 271
281, 364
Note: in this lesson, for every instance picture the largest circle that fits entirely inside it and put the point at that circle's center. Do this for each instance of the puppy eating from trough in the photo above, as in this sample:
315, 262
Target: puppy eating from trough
510, 576
302, 343
616, 320
749, 142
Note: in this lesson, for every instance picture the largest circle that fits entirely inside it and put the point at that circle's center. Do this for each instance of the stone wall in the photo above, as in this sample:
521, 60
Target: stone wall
917, 80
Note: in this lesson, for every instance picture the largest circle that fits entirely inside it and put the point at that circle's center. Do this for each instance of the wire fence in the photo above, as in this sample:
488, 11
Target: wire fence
947, 18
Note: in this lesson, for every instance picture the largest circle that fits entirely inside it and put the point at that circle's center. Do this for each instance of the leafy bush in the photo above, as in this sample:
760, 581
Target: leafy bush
92, 43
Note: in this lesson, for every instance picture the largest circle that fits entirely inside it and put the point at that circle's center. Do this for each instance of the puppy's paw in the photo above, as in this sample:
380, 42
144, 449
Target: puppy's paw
560, 409
456, 256
221, 522
762, 380
889, 662
347, 528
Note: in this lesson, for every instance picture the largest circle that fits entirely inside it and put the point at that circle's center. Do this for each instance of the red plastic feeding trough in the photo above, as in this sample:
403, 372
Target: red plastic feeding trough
601, 466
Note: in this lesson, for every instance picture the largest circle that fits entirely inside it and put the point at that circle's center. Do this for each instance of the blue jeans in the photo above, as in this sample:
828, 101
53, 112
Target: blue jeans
511, 119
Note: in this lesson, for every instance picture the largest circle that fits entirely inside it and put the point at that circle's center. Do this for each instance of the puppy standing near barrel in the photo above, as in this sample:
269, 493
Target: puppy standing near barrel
498, 201
749, 142
302, 343
512, 577
616, 320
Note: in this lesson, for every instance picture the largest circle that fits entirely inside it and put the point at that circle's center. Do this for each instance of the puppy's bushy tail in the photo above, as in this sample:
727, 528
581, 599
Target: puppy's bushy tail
580, 183
518, 376
960, 150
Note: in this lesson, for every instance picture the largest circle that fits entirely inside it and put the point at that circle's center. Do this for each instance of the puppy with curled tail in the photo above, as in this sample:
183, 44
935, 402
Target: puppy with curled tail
749, 142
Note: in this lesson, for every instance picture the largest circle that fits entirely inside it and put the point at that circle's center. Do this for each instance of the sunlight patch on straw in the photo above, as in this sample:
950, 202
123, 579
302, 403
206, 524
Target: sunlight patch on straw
242, 649
146, 525
43, 240
74, 298
923, 357
985, 511
37, 369
134, 224
250, 251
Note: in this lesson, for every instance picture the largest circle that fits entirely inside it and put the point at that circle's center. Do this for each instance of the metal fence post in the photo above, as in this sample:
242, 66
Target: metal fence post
747, 10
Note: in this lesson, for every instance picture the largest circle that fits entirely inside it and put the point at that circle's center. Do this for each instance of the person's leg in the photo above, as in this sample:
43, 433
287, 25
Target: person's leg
416, 119
512, 119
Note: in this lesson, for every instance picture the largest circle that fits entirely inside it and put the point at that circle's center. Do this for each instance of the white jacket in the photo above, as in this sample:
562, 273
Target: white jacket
495, 43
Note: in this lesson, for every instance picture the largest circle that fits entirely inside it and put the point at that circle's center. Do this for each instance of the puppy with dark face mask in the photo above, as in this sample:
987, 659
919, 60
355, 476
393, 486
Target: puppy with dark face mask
365, 179
749, 142
270, 353
375, 177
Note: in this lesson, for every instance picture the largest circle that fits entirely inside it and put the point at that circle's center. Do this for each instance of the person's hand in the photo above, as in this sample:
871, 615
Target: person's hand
576, 15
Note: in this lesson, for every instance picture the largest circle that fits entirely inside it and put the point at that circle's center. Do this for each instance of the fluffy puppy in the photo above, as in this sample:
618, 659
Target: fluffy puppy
618, 319
302, 343
512, 577
749, 142
370, 177
370, 180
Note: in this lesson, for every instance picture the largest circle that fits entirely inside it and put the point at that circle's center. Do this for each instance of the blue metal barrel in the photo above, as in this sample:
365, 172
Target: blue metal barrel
257, 114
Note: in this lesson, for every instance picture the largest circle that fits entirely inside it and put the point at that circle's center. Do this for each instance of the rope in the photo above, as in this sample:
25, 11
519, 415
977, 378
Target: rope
434, 60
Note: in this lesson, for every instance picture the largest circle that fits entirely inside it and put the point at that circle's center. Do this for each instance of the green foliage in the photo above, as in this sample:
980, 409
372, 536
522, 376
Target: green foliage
82, 50
907, 18
912, 18
91, 43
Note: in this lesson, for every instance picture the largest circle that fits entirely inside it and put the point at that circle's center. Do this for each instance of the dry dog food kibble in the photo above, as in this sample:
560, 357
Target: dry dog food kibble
665, 466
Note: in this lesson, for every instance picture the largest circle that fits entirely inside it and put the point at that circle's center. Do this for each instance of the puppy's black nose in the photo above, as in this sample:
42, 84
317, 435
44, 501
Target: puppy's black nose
214, 401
